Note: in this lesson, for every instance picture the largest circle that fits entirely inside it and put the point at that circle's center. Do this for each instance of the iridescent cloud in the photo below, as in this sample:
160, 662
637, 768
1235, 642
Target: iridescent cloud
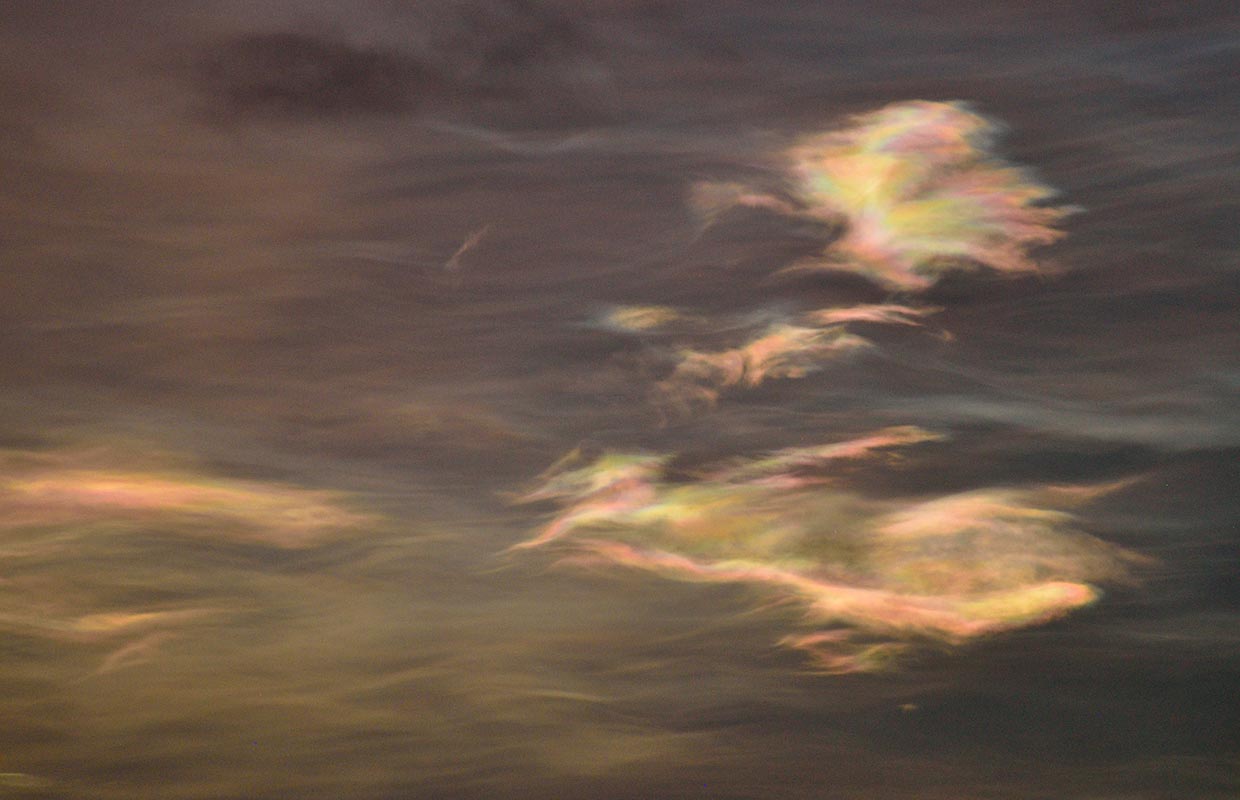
781, 351
639, 319
871, 577
784, 467
58, 506
915, 192
877, 313
63, 491
710, 199
918, 191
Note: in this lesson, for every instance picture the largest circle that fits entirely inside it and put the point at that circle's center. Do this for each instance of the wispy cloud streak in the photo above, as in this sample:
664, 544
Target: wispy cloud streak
875, 313
279, 515
782, 350
785, 468
58, 506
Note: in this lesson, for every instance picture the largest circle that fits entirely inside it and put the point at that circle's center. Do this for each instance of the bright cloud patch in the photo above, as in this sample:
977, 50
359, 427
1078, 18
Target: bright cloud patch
871, 577
272, 514
918, 192
780, 351
65, 493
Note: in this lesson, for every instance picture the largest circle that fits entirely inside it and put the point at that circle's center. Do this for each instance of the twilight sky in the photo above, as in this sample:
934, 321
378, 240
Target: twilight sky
622, 399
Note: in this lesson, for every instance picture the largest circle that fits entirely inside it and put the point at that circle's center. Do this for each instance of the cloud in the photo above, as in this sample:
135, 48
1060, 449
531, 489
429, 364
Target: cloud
913, 191
711, 199
917, 191
788, 467
291, 74
881, 314
782, 350
870, 578
54, 492
639, 319
92, 514
399, 61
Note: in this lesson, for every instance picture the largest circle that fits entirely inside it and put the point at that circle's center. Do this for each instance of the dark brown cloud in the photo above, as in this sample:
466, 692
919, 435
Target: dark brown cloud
296, 74
446, 56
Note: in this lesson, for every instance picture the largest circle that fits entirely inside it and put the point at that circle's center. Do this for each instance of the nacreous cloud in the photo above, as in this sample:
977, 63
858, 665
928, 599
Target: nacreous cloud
781, 351
918, 192
871, 577
56, 496
59, 509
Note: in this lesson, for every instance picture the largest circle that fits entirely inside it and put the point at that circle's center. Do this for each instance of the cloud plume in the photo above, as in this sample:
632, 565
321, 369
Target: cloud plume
870, 578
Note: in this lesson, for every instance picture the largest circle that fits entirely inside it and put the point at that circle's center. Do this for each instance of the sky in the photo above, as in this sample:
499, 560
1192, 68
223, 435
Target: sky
621, 399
